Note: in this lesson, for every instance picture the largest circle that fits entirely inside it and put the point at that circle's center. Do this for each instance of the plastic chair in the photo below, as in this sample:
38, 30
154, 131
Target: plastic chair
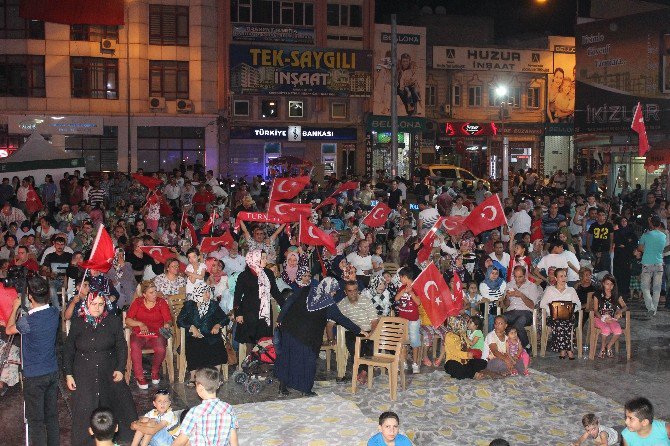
168, 362
329, 350
594, 332
388, 338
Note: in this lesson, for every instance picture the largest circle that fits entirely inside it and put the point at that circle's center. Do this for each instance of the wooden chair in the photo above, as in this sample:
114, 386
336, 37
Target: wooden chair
391, 268
329, 350
176, 303
594, 332
388, 338
545, 333
168, 362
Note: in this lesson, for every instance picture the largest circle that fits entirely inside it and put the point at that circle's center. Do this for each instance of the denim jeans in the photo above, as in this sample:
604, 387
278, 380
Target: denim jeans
652, 275
55, 287
41, 396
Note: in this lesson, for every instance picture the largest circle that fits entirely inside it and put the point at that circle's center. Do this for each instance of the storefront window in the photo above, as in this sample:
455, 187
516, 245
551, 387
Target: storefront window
165, 148
100, 153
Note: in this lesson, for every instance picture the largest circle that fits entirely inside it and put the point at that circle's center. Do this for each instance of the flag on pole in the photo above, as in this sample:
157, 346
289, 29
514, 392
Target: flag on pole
186, 224
102, 253
311, 235
211, 244
33, 202
289, 212
488, 215
377, 216
148, 182
434, 293
287, 188
207, 227
638, 126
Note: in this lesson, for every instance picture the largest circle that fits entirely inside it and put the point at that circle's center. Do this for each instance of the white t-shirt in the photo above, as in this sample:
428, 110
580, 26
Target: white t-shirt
170, 417
428, 217
190, 286
520, 222
552, 260
234, 265
360, 263
492, 338
572, 258
505, 259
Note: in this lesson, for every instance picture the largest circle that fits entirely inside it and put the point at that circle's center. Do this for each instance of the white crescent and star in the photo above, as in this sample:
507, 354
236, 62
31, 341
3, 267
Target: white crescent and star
376, 212
282, 183
427, 286
310, 232
278, 208
151, 251
494, 212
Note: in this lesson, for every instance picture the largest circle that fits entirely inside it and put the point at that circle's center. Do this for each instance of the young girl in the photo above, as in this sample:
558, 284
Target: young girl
473, 297
408, 308
608, 308
516, 351
195, 271
475, 339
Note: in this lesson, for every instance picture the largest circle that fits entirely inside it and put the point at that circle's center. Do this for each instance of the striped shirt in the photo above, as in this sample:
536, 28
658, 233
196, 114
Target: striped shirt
210, 423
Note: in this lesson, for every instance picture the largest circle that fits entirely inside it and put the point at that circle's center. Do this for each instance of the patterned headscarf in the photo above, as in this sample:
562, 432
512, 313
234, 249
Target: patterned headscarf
254, 263
198, 294
381, 301
321, 296
85, 312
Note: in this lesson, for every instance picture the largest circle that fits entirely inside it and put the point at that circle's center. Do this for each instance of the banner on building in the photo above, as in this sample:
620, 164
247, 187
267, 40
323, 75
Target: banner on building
269, 33
411, 69
300, 71
73, 12
620, 62
561, 82
492, 59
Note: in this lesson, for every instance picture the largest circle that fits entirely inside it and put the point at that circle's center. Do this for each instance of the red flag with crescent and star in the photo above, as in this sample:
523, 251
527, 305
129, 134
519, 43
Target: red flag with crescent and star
207, 227
186, 224
311, 235
328, 201
349, 185
377, 216
488, 215
454, 225
456, 296
33, 202
428, 241
434, 293
160, 254
638, 126
287, 188
148, 182
102, 253
211, 244
289, 212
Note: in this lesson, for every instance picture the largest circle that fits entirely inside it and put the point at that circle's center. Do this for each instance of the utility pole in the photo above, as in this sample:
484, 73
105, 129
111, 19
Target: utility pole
394, 94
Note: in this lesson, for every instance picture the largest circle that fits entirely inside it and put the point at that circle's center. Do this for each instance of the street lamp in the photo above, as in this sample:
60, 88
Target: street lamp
501, 94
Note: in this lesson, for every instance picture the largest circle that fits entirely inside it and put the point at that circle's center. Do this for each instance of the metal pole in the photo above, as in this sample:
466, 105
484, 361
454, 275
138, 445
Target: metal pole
128, 85
505, 184
394, 94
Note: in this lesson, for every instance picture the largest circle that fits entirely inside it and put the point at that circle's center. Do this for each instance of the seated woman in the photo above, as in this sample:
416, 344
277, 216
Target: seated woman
170, 282
122, 278
146, 316
459, 362
561, 329
203, 319
608, 306
295, 265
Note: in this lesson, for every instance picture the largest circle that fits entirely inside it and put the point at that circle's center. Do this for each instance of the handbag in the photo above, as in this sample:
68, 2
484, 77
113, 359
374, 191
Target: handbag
562, 310
230, 351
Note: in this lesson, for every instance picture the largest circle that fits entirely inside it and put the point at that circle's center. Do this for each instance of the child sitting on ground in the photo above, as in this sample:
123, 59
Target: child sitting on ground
388, 432
103, 427
641, 429
158, 427
601, 435
516, 351
475, 338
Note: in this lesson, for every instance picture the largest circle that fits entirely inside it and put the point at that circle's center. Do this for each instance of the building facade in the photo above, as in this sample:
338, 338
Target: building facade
139, 95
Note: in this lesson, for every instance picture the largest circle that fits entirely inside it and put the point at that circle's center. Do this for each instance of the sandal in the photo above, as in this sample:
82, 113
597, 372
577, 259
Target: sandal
602, 354
427, 362
437, 362
362, 378
610, 353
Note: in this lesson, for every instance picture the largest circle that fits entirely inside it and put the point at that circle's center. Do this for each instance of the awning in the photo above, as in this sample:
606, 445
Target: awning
658, 155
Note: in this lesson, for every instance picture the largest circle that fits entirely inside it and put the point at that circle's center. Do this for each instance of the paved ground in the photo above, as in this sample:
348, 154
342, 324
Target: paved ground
646, 374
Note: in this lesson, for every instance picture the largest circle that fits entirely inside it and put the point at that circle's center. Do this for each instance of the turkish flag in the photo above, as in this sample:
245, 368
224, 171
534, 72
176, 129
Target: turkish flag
148, 182
289, 212
211, 244
456, 296
33, 202
160, 254
7, 298
349, 185
102, 253
488, 215
428, 241
638, 126
255, 216
74, 12
454, 225
207, 227
377, 216
186, 224
166, 209
287, 188
311, 235
434, 293
330, 201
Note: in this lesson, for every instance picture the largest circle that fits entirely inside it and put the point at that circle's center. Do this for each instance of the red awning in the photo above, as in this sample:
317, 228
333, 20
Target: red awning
74, 12
658, 155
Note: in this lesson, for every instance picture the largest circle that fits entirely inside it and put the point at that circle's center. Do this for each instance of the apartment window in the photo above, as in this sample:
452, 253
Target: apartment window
456, 95
533, 99
100, 153
94, 77
494, 100
475, 96
431, 95
272, 12
167, 147
295, 109
514, 99
270, 108
22, 75
344, 15
168, 25
338, 110
13, 26
94, 33
168, 78
241, 108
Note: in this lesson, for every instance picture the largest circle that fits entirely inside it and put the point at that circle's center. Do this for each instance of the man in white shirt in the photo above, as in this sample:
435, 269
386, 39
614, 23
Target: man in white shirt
521, 297
234, 262
499, 254
573, 266
172, 192
520, 220
427, 216
554, 259
362, 261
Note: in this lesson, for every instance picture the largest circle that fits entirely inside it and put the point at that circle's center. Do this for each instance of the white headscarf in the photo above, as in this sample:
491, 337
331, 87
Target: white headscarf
254, 262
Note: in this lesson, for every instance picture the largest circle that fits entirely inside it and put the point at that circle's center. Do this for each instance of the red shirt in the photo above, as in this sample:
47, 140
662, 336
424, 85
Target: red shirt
153, 318
407, 308
30, 264
200, 201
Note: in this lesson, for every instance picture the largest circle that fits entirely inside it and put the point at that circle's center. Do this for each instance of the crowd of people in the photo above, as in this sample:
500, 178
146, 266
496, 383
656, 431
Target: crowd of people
560, 252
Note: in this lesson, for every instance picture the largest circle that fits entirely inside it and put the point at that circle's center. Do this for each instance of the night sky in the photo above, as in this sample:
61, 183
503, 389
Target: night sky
512, 17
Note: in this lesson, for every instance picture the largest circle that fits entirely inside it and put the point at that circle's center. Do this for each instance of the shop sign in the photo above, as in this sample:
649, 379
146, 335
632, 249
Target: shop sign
288, 70
55, 125
492, 59
406, 124
470, 129
559, 129
519, 129
263, 33
368, 155
289, 133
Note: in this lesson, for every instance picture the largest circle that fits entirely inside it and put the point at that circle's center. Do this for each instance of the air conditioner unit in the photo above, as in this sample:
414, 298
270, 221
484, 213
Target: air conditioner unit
445, 109
184, 106
108, 45
156, 103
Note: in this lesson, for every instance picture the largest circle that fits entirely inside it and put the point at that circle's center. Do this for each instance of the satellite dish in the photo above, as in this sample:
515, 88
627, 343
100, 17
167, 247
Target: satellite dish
426, 10
440, 10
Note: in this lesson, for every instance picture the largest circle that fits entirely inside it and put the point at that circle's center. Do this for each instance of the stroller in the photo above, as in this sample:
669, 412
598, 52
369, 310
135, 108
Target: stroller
257, 367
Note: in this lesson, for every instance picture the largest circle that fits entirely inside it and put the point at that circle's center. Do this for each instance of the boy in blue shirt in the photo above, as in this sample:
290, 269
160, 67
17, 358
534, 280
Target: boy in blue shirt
388, 432
641, 429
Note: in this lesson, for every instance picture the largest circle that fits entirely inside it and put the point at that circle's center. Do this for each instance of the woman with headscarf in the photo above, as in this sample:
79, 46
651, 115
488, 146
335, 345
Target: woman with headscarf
302, 324
459, 362
492, 290
378, 295
203, 320
122, 278
294, 267
252, 307
625, 243
94, 359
